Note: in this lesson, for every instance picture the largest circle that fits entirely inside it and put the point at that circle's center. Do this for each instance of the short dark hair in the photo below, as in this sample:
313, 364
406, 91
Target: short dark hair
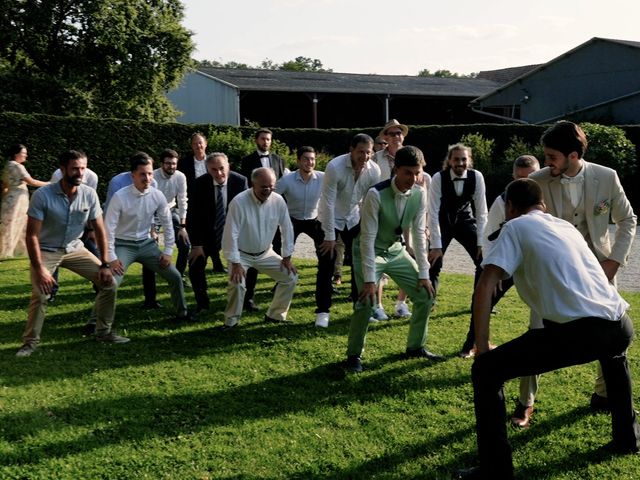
409, 156
360, 138
566, 137
261, 131
65, 157
168, 153
139, 158
523, 194
304, 149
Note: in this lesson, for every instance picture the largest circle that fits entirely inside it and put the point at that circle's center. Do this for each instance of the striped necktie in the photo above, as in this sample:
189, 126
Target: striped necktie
220, 217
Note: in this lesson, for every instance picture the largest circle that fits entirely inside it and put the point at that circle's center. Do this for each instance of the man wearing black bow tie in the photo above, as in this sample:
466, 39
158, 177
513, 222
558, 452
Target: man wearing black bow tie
262, 157
453, 191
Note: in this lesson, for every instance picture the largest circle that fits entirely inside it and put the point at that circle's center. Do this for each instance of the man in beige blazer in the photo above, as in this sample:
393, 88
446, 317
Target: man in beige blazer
590, 197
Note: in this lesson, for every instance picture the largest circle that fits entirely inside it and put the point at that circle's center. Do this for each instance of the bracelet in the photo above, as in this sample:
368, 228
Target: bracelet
182, 225
105, 265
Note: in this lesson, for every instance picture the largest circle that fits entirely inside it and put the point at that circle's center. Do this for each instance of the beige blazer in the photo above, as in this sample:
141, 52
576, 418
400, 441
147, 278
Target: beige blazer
604, 200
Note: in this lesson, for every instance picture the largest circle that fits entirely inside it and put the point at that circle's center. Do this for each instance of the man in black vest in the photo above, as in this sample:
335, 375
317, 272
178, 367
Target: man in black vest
457, 209
262, 157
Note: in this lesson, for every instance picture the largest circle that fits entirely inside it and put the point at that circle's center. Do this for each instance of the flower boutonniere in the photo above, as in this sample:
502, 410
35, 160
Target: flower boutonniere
602, 208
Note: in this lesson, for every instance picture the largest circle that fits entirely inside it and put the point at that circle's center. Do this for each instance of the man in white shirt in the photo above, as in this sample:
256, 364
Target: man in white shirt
301, 190
174, 186
453, 191
584, 318
252, 220
347, 179
391, 208
129, 220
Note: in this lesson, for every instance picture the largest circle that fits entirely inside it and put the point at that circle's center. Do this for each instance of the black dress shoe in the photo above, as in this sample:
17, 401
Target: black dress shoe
423, 353
88, 329
251, 306
220, 269
473, 473
353, 364
228, 328
187, 317
599, 403
153, 305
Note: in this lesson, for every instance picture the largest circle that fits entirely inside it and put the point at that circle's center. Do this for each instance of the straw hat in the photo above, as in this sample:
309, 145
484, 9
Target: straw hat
394, 123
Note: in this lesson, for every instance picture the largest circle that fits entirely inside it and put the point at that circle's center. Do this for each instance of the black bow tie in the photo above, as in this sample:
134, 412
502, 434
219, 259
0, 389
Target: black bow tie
264, 156
458, 179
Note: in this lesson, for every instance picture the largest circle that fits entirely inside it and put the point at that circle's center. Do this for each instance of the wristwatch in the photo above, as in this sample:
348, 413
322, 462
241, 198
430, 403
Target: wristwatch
105, 265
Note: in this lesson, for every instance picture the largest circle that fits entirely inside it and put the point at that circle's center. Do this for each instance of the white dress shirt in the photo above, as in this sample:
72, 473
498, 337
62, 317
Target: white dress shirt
200, 166
385, 162
341, 195
302, 197
478, 198
369, 230
250, 225
130, 216
174, 188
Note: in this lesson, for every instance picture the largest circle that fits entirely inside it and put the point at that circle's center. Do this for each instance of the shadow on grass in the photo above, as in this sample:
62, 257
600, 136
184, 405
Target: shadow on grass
137, 417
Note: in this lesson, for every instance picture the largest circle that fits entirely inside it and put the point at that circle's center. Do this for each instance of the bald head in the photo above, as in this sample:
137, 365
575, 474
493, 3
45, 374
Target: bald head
263, 182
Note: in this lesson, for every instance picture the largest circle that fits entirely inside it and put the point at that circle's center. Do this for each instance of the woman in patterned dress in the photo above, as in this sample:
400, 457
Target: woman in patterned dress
15, 202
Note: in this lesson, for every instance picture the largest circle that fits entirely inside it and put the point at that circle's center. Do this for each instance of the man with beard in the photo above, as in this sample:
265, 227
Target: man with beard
57, 215
589, 196
453, 191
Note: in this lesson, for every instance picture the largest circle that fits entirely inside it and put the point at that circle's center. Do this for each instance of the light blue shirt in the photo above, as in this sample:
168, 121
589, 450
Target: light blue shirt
63, 220
302, 197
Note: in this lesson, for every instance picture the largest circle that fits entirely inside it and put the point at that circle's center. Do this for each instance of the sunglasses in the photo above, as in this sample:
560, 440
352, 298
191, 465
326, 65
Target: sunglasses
396, 133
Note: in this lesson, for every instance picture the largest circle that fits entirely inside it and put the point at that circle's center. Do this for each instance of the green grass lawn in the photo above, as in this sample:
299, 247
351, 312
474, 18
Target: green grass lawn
270, 401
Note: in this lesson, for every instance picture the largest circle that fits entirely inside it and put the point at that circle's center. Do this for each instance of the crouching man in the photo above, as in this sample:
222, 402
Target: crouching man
584, 318
58, 214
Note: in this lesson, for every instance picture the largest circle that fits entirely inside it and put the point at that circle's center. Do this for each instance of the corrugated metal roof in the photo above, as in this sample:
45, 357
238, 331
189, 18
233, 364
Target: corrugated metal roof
330, 82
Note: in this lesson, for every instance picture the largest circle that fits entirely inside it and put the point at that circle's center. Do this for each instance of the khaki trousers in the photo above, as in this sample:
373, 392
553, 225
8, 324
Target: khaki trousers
85, 264
268, 263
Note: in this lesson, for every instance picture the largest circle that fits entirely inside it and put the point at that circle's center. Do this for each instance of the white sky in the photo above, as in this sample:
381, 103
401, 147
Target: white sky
402, 38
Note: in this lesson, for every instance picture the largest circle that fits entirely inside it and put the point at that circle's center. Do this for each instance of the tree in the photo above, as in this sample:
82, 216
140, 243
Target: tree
92, 57
304, 64
445, 74
299, 64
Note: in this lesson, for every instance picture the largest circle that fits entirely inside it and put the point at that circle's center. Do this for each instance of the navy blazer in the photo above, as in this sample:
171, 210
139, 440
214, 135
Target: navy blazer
202, 206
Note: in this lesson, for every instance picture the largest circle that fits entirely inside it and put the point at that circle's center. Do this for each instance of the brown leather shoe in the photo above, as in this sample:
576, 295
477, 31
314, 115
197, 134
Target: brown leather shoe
521, 417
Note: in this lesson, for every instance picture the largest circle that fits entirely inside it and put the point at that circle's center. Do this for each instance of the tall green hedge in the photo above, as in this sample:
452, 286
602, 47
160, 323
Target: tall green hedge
109, 143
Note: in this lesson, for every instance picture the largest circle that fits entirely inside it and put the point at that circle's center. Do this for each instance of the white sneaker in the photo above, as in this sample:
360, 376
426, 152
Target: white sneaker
379, 313
322, 319
26, 350
402, 310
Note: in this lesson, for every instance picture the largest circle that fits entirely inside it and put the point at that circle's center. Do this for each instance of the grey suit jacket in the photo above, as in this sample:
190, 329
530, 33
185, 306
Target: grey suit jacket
601, 187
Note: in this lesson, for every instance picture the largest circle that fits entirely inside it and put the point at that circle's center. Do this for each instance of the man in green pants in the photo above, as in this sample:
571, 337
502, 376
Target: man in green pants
390, 208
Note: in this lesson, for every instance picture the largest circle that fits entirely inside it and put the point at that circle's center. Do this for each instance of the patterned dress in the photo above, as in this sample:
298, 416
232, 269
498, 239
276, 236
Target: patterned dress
15, 202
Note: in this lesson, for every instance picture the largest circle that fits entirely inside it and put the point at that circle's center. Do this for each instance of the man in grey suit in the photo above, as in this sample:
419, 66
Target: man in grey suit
589, 196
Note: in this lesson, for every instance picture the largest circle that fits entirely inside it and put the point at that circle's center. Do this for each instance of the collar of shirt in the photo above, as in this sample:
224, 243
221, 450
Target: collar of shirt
577, 178
299, 176
454, 176
216, 184
397, 192
262, 154
134, 191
